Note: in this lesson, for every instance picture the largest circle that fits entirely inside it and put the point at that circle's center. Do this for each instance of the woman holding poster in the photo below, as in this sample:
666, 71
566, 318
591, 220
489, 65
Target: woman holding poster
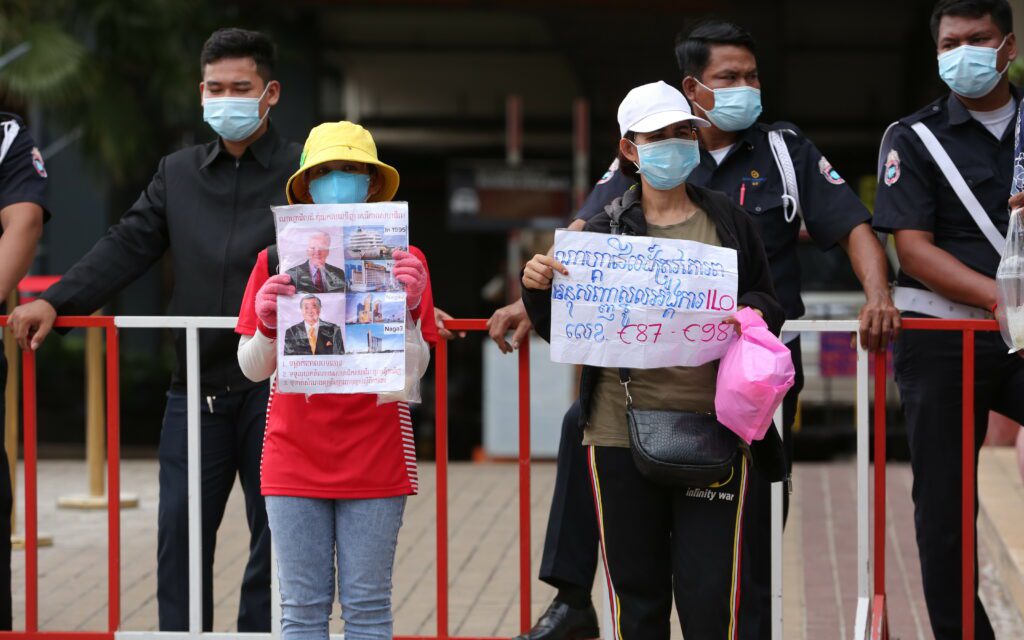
336, 468
657, 537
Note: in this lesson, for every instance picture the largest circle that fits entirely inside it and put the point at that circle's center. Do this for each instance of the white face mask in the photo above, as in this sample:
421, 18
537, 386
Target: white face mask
667, 163
971, 71
234, 119
736, 108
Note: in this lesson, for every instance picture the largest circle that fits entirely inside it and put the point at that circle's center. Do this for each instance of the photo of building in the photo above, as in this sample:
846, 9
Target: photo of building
372, 338
366, 242
369, 275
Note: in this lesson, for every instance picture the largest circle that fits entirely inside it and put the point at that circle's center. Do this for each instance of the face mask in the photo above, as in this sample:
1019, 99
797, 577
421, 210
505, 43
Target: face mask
339, 187
736, 108
971, 71
234, 119
666, 163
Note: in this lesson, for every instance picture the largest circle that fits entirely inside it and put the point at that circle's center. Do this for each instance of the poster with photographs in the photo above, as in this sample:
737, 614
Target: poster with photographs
344, 329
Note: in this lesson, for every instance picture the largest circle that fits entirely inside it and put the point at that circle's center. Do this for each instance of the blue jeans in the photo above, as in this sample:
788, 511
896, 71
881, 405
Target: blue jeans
306, 533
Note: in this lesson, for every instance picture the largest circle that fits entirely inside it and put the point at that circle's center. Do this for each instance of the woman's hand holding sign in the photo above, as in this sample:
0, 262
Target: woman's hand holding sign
266, 298
540, 271
410, 272
732, 320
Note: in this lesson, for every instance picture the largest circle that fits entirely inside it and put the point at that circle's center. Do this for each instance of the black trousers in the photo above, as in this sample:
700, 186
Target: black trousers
6, 503
231, 443
928, 374
756, 622
571, 542
662, 541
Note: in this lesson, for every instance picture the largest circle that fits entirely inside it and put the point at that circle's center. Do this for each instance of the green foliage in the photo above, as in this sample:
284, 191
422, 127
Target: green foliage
115, 68
1016, 72
49, 72
125, 71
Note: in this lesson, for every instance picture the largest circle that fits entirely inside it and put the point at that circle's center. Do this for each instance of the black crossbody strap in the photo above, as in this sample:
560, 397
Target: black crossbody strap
273, 260
624, 380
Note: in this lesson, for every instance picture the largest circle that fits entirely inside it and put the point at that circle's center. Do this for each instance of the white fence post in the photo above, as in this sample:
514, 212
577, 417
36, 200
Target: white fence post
777, 516
195, 486
862, 621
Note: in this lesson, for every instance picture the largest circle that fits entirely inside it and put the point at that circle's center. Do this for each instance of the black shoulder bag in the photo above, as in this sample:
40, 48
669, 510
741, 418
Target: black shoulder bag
680, 448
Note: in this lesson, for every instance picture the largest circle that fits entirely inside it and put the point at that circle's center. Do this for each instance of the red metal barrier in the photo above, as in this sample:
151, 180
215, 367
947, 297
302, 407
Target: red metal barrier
29, 422
879, 621
441, 469
879, 625
113, 506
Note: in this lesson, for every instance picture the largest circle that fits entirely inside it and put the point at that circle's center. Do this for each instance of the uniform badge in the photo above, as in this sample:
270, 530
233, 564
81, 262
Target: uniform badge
610, 173
754, 173
829, 172
37, 162
892, 168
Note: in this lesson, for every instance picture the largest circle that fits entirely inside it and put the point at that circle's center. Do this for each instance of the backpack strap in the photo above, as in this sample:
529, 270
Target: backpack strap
615, 219
784, 162
273, 260
967, 197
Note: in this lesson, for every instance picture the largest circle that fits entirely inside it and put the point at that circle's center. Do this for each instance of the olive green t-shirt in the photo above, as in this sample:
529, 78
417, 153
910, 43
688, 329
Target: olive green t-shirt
673, 388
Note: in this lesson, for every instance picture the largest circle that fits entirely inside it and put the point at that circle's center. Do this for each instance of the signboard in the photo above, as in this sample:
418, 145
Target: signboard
640, 302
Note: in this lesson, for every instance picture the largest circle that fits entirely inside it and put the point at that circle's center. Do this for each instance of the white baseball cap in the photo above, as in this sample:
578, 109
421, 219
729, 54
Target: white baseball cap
654, 106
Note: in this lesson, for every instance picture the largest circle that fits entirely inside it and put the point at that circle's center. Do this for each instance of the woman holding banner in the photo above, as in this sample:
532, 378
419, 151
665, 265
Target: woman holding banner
336, 468
658, 537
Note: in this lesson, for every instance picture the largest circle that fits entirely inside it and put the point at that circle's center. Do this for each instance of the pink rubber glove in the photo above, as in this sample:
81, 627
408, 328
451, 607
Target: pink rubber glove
266, 298
410, 272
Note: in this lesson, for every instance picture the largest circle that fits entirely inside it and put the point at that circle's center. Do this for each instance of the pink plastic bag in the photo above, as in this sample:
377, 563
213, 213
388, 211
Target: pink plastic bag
753, 377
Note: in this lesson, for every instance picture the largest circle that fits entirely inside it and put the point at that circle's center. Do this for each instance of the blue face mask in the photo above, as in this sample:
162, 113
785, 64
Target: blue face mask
971, 71
736, 108
667, 163
339, 187
234, 119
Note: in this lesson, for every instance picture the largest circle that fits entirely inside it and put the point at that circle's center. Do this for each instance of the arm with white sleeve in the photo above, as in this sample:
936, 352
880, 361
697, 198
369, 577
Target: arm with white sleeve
257, 356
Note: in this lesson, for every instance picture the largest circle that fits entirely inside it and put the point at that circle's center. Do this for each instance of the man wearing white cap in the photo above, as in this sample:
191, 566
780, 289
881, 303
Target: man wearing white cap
660, 540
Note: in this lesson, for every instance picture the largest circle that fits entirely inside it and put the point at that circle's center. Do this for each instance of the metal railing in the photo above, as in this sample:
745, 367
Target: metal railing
968, 328
870, 616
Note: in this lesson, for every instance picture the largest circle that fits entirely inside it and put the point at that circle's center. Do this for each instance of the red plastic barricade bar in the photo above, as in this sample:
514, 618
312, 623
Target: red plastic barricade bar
879, 622
441, 469
113, 479
107, 323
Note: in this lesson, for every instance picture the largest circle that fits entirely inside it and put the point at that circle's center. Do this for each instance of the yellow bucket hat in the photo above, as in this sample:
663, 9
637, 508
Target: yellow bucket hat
340, 141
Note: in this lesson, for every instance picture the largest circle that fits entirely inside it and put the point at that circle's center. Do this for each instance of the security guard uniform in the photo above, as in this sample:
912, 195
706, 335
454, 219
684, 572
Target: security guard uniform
914, 194
22, 179
749, 174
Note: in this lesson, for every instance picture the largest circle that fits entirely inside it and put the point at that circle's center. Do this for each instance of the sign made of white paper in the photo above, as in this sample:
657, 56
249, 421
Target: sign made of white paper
344, 329
641, 302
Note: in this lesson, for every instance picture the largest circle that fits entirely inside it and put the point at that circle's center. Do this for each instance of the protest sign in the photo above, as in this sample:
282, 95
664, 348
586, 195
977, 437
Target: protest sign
640, 302
344, 329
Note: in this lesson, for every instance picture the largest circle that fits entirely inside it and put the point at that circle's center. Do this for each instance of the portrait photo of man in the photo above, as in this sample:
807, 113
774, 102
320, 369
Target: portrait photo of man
313, 336
315, 275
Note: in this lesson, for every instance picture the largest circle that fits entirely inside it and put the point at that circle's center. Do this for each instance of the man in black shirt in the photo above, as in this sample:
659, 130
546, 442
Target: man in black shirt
720, 79
210, 206
949, 245
22, 214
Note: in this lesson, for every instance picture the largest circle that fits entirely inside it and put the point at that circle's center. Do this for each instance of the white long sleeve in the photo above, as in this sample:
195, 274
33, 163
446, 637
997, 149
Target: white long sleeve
257, 356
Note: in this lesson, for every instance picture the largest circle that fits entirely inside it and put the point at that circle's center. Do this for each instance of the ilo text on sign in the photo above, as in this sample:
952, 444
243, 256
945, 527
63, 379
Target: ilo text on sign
640, 302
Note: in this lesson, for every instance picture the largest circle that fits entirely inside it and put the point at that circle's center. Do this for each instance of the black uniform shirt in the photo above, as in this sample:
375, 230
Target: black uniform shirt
213, 213
913, 193
22, 172
830, 207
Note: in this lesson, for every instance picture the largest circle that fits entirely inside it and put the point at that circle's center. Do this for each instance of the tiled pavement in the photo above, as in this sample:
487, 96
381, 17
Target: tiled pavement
820, 555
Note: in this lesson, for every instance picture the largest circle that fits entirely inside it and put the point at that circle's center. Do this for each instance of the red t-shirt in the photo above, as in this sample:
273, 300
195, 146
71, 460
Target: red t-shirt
333, 445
